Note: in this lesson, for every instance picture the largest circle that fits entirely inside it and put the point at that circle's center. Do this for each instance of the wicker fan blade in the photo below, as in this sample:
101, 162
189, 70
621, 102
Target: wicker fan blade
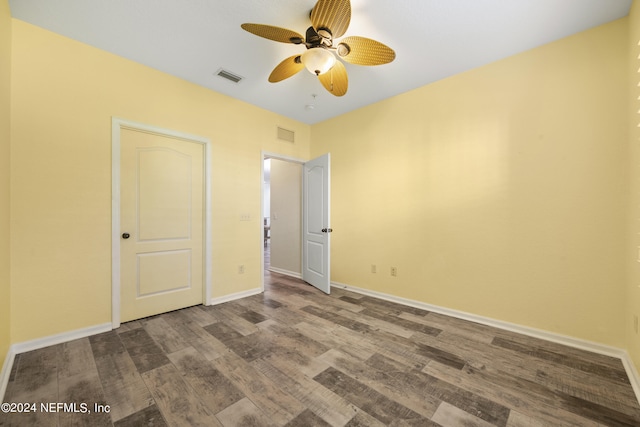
364, 51
335, 80
286, 69
334, 15
274, 33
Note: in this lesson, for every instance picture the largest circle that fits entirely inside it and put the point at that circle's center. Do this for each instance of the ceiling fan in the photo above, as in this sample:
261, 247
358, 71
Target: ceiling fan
329, 21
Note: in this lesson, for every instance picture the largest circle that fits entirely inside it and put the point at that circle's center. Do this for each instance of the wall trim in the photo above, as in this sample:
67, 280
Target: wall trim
591, 346
235, 296
632, 372
6, 372
286, 272
38, 343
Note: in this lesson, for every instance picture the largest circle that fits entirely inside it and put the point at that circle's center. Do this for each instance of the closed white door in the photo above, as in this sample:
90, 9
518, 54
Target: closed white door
161, 222
316, 231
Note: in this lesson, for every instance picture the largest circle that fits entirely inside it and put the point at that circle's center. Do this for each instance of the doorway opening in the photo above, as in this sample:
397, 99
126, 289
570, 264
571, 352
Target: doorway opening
305, 227
282, 216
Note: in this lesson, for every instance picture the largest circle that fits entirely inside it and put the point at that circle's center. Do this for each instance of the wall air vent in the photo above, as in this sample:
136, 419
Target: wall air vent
228, 75
286, 135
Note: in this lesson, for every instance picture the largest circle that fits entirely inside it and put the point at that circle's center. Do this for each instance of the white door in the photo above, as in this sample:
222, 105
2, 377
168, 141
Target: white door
161, 223
316, 265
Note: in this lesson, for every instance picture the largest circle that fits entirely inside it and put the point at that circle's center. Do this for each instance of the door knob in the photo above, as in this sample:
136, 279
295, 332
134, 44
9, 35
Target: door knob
327, 230
125, 235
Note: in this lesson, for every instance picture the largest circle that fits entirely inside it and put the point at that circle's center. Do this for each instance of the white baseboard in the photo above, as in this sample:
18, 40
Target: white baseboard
286, 272
60, 338
237, 295
6, 371
41, 343
632, 373
591, 346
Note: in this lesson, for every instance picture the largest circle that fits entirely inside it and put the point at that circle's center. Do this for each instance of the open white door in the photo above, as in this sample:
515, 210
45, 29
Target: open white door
316, 265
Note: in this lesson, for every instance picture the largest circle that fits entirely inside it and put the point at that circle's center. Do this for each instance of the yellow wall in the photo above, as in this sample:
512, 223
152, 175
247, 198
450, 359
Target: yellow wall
498, 192
5, 136
633, 254
64, 95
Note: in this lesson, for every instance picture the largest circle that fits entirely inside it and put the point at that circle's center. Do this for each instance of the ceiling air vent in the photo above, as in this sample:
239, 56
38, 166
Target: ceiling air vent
228, 75
286, 135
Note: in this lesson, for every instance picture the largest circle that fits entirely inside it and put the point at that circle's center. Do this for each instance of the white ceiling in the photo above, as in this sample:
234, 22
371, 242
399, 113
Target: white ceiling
433, 39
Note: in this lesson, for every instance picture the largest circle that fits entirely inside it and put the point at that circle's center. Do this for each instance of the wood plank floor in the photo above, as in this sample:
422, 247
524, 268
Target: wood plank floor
296, 357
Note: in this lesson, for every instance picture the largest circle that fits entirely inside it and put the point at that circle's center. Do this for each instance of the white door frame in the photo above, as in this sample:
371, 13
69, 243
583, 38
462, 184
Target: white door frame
270, 155
117, 124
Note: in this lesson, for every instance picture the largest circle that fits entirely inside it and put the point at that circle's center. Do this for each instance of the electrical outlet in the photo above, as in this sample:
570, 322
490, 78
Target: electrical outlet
245, 217
373, 268
394, 271
241, 269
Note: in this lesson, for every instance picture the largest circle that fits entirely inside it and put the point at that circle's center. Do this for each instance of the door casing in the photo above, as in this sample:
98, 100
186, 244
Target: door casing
117, 124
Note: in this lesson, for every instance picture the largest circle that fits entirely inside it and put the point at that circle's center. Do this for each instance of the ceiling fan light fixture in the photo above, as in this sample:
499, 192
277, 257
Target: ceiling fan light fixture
318, 60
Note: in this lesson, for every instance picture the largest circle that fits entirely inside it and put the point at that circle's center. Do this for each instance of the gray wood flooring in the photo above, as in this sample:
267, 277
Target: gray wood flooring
296, 357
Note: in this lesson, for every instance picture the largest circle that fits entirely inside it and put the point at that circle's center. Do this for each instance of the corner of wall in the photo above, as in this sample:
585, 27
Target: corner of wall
633, 244
5, 140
